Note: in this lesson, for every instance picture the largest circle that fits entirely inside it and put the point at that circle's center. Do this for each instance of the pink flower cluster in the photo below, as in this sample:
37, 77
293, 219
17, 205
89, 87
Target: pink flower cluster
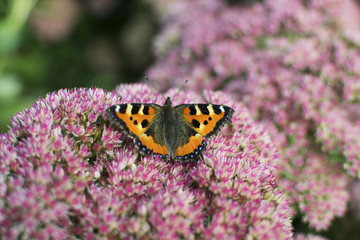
66, 173
296, 67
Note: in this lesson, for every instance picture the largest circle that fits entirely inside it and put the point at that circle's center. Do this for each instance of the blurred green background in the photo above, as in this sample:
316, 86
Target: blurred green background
46, 45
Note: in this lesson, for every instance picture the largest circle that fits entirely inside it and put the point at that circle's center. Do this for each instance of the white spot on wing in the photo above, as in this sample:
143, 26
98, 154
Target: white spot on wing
222, 109
198, 111
117, 109
128, 109
211, 109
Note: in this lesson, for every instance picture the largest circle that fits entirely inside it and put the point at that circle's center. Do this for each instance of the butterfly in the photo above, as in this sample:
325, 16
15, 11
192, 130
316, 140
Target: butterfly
175, 133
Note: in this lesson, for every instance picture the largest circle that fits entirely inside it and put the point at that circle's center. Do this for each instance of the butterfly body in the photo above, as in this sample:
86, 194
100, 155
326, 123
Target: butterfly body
170, 132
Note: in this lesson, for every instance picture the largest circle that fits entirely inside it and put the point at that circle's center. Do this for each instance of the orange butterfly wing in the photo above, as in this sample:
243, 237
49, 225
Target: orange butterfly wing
135, 119
205, 120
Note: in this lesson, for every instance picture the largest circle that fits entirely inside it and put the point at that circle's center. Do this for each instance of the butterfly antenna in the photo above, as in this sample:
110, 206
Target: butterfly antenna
153, 86
180, 89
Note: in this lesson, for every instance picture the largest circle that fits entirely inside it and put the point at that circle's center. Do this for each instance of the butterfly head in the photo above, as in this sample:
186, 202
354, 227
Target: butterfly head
168, 102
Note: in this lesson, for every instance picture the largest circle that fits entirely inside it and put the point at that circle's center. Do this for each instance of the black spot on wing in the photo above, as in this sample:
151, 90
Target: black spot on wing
146, 110
217, 109
135, 108
135, 122
203, 108
123, 108
206, 122
144, 123
192, 110
195, 123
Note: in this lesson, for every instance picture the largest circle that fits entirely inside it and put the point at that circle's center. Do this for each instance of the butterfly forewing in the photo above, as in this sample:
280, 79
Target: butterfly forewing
134, 118
206, 119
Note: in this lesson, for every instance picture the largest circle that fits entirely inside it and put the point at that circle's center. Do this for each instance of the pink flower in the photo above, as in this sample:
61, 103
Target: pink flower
65, 172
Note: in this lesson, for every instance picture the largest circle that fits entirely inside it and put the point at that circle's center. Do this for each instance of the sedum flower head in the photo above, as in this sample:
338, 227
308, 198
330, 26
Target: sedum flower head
65, 173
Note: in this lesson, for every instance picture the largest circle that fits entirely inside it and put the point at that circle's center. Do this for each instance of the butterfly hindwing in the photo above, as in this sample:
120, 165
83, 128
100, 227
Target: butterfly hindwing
192, 147
153, 139
206, 119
